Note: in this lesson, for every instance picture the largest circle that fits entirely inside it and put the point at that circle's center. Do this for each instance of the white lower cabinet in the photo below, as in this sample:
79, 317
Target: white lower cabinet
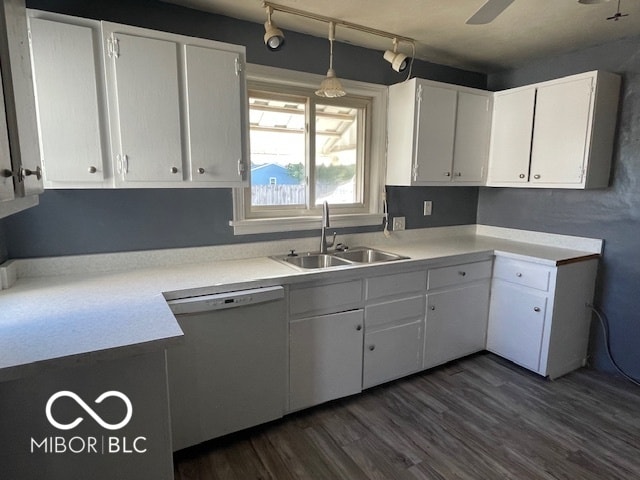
325, 358
538, 315
394, 326
457, 310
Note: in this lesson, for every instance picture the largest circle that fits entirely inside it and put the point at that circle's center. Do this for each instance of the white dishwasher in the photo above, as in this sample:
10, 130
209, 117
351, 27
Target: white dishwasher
230, 371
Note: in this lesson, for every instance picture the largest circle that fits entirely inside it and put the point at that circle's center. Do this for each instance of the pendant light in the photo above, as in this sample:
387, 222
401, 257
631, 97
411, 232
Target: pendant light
331, 86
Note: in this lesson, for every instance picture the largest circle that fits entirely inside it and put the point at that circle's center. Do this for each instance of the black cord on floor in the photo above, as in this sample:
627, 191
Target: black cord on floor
605, 330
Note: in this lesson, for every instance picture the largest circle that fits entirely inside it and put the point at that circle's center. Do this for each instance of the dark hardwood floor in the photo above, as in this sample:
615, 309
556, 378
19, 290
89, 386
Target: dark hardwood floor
478, 418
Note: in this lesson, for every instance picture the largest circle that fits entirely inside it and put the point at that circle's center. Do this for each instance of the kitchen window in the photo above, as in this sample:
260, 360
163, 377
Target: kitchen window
306, 150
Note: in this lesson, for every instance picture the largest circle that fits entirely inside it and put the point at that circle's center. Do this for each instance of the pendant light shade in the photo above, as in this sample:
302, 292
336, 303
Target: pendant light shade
331, 86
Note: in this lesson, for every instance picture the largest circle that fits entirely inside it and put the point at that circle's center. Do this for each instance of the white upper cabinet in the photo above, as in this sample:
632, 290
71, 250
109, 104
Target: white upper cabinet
556, 134
127, 107
438, 134
215, 127
144, 94
70, 100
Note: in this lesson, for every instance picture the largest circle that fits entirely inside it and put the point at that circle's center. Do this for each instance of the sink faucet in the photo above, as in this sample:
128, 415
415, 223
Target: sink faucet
324, 245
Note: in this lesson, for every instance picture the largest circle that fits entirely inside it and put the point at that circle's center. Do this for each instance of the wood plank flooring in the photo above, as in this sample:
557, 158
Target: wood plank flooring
478, 418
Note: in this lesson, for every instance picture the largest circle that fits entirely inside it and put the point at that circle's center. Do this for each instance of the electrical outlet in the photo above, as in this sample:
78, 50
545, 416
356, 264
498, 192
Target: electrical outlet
398, 224
427, 207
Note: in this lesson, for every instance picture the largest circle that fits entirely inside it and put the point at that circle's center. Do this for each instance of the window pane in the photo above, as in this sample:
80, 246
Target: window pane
278, 160
338, 155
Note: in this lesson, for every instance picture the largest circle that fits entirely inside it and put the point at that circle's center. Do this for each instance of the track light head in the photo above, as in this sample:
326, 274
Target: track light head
399, 61
273, 36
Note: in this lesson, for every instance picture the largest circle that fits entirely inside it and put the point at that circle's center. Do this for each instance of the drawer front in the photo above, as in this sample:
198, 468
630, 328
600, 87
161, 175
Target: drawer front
459, 274
321, 299
399, 283
523, 273
407, 309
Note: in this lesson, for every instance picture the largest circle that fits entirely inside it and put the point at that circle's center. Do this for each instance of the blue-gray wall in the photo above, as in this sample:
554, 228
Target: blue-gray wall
612, 213
89, 221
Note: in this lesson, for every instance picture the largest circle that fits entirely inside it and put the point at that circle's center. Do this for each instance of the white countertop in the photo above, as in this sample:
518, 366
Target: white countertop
79, 316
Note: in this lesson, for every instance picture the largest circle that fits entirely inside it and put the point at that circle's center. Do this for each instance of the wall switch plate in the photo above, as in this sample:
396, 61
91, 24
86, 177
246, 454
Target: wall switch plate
398, 224
426, 208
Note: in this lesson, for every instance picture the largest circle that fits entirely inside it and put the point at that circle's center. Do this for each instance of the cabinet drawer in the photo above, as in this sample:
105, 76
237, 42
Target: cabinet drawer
399, 283
411, 308
459, 274
325, 298
522, 273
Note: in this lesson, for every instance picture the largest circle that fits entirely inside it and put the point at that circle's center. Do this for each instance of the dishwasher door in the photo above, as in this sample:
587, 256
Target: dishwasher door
230, 372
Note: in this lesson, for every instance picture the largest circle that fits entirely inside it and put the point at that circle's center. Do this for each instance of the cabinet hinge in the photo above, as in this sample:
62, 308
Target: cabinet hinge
238, 66
415, 172
113, 47
241, 168
419, 94
122, 164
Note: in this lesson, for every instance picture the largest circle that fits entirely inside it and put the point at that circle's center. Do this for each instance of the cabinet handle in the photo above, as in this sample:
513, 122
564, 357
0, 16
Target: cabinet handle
462, 273
537, 177
26, 172
518, 274
174, 169
521, 175
458, 174
536, 309
92, 169
432, 308
358, 327
372, 348
447, 174
201, 170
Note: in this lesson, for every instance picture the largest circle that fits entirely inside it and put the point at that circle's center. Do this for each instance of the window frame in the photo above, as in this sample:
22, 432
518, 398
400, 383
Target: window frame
292, 82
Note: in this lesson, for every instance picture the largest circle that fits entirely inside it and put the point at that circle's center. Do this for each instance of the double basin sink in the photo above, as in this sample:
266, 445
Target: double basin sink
350, 257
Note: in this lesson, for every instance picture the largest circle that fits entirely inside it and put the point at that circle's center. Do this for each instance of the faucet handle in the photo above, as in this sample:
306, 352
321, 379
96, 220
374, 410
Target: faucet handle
333, 240
292, 253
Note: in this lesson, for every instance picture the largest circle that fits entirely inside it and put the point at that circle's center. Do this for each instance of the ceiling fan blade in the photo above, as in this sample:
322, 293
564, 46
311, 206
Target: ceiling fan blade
488, 12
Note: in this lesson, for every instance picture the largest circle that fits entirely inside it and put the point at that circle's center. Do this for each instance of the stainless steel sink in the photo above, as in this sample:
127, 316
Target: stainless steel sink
314, 260
368, 255
358, 255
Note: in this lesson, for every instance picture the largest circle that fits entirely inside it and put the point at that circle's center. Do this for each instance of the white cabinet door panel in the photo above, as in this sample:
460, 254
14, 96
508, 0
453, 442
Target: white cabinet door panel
435, 130
214, 112
148, 103
456, 323
473, 122
561, 129
68, 106
511, 136
516, 323
325, 358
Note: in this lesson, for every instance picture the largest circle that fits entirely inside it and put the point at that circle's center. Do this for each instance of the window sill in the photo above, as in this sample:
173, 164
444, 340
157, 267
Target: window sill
286, 224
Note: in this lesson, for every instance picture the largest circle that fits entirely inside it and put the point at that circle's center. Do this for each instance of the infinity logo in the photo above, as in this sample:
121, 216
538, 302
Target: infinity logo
87, 408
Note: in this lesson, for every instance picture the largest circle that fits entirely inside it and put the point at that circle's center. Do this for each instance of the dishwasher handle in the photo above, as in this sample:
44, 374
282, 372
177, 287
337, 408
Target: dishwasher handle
223, 301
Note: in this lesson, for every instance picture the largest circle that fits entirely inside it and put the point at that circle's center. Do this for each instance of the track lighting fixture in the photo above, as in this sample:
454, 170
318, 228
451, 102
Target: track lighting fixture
399, 61
273, 36
331, 86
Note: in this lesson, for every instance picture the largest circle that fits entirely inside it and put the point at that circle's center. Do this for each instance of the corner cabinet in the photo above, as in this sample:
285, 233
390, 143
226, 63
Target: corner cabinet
556, 134
538, 316
142, 108
438, 134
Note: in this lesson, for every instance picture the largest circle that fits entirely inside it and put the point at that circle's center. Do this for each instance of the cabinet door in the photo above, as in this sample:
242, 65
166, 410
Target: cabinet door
392, 353
471, 148
325, 358
456, 323
148, 109
511, 133
69, 110
561, 130
6, 168
215, 115
435, 130
516, 322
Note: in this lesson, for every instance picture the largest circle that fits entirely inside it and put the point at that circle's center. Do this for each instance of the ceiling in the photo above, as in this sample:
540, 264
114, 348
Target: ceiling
526, 30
